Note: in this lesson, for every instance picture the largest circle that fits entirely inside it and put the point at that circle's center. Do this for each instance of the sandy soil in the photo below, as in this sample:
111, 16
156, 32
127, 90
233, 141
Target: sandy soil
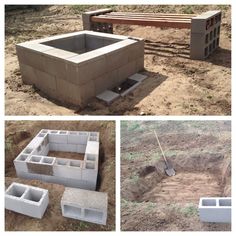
176, 85
17, 136
201, 159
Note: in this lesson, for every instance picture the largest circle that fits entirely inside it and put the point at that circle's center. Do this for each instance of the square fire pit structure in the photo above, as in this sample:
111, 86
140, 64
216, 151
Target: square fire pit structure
33, 162
75, 67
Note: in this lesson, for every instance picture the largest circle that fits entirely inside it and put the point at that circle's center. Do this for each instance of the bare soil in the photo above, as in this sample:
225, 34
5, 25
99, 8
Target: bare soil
202, 170
176, 85
68, 155
18, 134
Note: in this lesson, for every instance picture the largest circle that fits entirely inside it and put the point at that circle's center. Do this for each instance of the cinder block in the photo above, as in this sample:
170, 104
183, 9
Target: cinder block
85, 205
20, 162
60, 137
126, 70
28, 74
90, 171
27, 200
92, 147
217, 210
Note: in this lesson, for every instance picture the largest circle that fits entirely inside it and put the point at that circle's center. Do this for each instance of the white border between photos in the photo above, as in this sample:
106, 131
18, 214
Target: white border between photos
117, 118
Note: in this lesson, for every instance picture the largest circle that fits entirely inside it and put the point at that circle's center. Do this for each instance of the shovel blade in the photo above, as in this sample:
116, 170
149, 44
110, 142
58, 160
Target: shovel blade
170, 171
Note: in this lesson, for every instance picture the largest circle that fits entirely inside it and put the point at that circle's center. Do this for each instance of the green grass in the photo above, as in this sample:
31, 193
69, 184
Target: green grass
188, 10
130, 156
189, 210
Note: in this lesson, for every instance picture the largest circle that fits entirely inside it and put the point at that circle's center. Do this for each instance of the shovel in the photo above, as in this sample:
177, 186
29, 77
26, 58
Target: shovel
169, 169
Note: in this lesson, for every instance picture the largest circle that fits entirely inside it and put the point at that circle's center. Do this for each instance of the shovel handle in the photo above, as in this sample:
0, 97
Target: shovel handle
163, 154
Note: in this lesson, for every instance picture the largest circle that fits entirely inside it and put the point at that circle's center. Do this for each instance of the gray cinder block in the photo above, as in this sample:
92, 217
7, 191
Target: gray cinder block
27, 200
84, 62
85, 205
215, 209
33, 162
205, 34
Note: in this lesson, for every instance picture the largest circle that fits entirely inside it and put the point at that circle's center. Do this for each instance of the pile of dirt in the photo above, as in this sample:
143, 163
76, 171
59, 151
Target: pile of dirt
18, 134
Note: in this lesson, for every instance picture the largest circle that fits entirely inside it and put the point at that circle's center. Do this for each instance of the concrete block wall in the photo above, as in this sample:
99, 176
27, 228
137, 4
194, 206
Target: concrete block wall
205, 34
85, 205
215, 209
85, 75
27, 200
33, 162
99, 27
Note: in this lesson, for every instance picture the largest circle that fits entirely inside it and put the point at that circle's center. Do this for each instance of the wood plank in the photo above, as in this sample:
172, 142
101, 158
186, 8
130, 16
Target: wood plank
144, 22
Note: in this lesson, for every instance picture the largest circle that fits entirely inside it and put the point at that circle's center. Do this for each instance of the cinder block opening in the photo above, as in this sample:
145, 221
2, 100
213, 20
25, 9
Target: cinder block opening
225, 202
72, 211
61, 162
62, 132
81, 43
47, 160
33, 195
28, 150
75, 163
54, 132
44, 131
39, 148
41, 135
209, 202
207, 38
93, 215
218, 30
91, 157
16, 191
206, 51
90, 165
73, 133
35, 158
22, 157
93, 138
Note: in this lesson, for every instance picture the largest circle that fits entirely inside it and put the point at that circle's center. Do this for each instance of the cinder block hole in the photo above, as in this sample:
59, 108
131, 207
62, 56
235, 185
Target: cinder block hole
212, 21
214, 44
93, 138
207, 38
45, 141
93, 215
83, 133
210, 48
62, 162
218, 30
209, 202
91, 157
22, 157
62, 132
220, 17
72, 211
224, 202
33, 195
93, 134
216, 18
35, 159
28, 150
217, 41
47, 160
73, 133
214, 32
41, 135
211, 35
16, 190
54, 132
39, 148
75, 163
206, 51
90, 165
44, 131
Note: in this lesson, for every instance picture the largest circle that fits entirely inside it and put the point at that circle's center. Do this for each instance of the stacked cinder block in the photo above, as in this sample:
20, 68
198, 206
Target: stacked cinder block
85, 205
96, 26
205, 34
27, 200
86, 63
33, 162
215, 209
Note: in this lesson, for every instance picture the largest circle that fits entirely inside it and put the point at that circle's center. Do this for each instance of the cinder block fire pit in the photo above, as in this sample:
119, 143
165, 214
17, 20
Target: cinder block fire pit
75, 67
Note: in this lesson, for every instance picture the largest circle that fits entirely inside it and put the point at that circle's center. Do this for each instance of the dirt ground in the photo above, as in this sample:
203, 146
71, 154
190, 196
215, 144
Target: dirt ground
18, 134
176, 85
200, 153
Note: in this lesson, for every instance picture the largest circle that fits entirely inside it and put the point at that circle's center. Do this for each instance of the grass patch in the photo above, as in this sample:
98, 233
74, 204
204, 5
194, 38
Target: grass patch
189, 210
130, 156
